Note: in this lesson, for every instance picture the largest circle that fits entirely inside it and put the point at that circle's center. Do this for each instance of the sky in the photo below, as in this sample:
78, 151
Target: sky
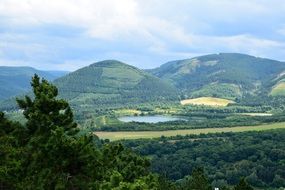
70, 34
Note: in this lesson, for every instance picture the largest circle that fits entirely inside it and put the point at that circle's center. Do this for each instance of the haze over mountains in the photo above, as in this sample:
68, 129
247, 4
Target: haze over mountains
110, 82
16, 80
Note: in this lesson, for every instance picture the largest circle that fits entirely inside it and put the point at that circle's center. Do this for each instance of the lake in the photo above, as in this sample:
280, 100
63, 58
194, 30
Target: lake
150, 119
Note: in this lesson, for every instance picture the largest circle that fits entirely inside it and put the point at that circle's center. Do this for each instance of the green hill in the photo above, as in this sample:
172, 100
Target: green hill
112, 83
16, 80
224, 75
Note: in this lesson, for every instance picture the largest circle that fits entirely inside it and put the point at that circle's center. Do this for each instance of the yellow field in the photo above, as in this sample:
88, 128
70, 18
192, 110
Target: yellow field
155, 134
257, 114
127, 112
279, 89
208, 101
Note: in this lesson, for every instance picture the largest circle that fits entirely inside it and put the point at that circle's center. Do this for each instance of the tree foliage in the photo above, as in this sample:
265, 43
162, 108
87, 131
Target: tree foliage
48, 153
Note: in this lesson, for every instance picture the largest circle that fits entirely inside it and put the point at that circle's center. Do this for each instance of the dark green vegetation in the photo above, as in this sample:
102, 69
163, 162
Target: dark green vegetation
257, 156
225, 75
49, 152
111, 84
16, 80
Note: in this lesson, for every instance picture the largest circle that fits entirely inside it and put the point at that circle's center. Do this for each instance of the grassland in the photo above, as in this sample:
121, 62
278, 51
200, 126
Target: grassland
278, 90
257, 114
208, 101
123, 112
155, 134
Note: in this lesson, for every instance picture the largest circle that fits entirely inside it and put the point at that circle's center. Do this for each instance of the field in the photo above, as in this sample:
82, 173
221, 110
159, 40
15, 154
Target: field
156, 134
208, 101
257, 114
278, 89
124, 112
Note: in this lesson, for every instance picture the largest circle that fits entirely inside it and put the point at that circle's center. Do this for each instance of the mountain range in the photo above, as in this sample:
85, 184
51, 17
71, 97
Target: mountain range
224, 75
16, 80
112, 83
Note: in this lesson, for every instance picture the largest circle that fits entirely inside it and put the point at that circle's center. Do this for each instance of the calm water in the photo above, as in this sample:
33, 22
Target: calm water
149, 119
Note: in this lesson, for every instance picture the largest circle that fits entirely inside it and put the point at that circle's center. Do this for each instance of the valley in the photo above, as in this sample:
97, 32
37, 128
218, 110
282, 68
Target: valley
206, 101
142, 95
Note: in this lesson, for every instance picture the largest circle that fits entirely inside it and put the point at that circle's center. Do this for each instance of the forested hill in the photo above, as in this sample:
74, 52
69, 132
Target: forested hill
226, 75
16, 80
113, 83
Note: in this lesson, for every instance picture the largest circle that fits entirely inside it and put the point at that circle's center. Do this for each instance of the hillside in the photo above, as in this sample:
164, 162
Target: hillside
16, 80
224, 75
112, 83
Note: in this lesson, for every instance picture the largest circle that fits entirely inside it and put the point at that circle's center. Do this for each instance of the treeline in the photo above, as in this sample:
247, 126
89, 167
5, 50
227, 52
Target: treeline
189, 121
257, 156
276, 103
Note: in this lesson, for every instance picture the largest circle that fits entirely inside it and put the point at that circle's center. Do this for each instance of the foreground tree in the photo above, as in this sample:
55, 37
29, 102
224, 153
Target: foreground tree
243, 185
198, 181
48, 153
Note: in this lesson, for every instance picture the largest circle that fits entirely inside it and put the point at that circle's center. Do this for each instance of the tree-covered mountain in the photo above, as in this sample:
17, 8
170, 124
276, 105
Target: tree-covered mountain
226, 75
16, 80
112, 83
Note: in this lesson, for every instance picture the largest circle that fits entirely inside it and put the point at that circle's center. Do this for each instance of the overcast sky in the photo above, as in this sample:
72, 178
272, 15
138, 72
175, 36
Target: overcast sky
69, 34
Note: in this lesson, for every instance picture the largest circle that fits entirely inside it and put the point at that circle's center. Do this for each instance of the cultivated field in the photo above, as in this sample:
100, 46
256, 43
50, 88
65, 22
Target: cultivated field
278, 89
208, 101
155, 134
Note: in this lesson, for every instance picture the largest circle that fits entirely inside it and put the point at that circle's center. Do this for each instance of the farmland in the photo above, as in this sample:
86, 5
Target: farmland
156, 134
208, 101
279, 89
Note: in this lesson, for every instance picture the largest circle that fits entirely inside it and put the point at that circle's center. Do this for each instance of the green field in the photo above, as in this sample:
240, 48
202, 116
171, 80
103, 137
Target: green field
156, 134
278, 90
208, 101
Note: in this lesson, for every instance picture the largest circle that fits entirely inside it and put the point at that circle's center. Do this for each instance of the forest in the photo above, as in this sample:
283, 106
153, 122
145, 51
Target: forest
257, 156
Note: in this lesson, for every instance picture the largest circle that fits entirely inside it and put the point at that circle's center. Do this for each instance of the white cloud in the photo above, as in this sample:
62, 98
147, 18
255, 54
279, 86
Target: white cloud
165, 28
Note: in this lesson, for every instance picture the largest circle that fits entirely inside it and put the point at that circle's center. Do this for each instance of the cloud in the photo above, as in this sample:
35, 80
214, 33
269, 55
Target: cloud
70, 33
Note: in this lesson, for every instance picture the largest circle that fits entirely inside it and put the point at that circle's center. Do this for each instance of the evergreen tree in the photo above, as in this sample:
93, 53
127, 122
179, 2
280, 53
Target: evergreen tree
48, 153
243, 185
198, 181
12, 138
45, 113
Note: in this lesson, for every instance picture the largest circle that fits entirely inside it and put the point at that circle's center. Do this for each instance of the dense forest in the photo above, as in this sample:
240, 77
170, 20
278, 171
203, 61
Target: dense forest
226, 75
257, 156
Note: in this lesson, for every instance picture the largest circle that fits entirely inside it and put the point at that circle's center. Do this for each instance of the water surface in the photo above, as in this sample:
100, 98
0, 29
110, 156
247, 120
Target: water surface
150, 119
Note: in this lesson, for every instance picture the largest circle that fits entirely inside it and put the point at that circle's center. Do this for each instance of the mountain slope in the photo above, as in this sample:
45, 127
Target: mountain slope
16, 80
112, 83
225, 75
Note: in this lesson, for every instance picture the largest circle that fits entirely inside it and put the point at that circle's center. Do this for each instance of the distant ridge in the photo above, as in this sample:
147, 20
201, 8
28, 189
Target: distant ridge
111, 83
224, 75
16, 80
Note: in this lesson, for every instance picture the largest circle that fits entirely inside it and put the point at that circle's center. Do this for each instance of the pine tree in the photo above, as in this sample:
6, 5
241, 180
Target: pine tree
48, 153
45, 112
12, 137
243, 185
198, 180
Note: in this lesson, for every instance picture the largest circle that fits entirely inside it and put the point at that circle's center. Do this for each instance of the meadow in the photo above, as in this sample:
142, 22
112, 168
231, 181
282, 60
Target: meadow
156, 134
207, 101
